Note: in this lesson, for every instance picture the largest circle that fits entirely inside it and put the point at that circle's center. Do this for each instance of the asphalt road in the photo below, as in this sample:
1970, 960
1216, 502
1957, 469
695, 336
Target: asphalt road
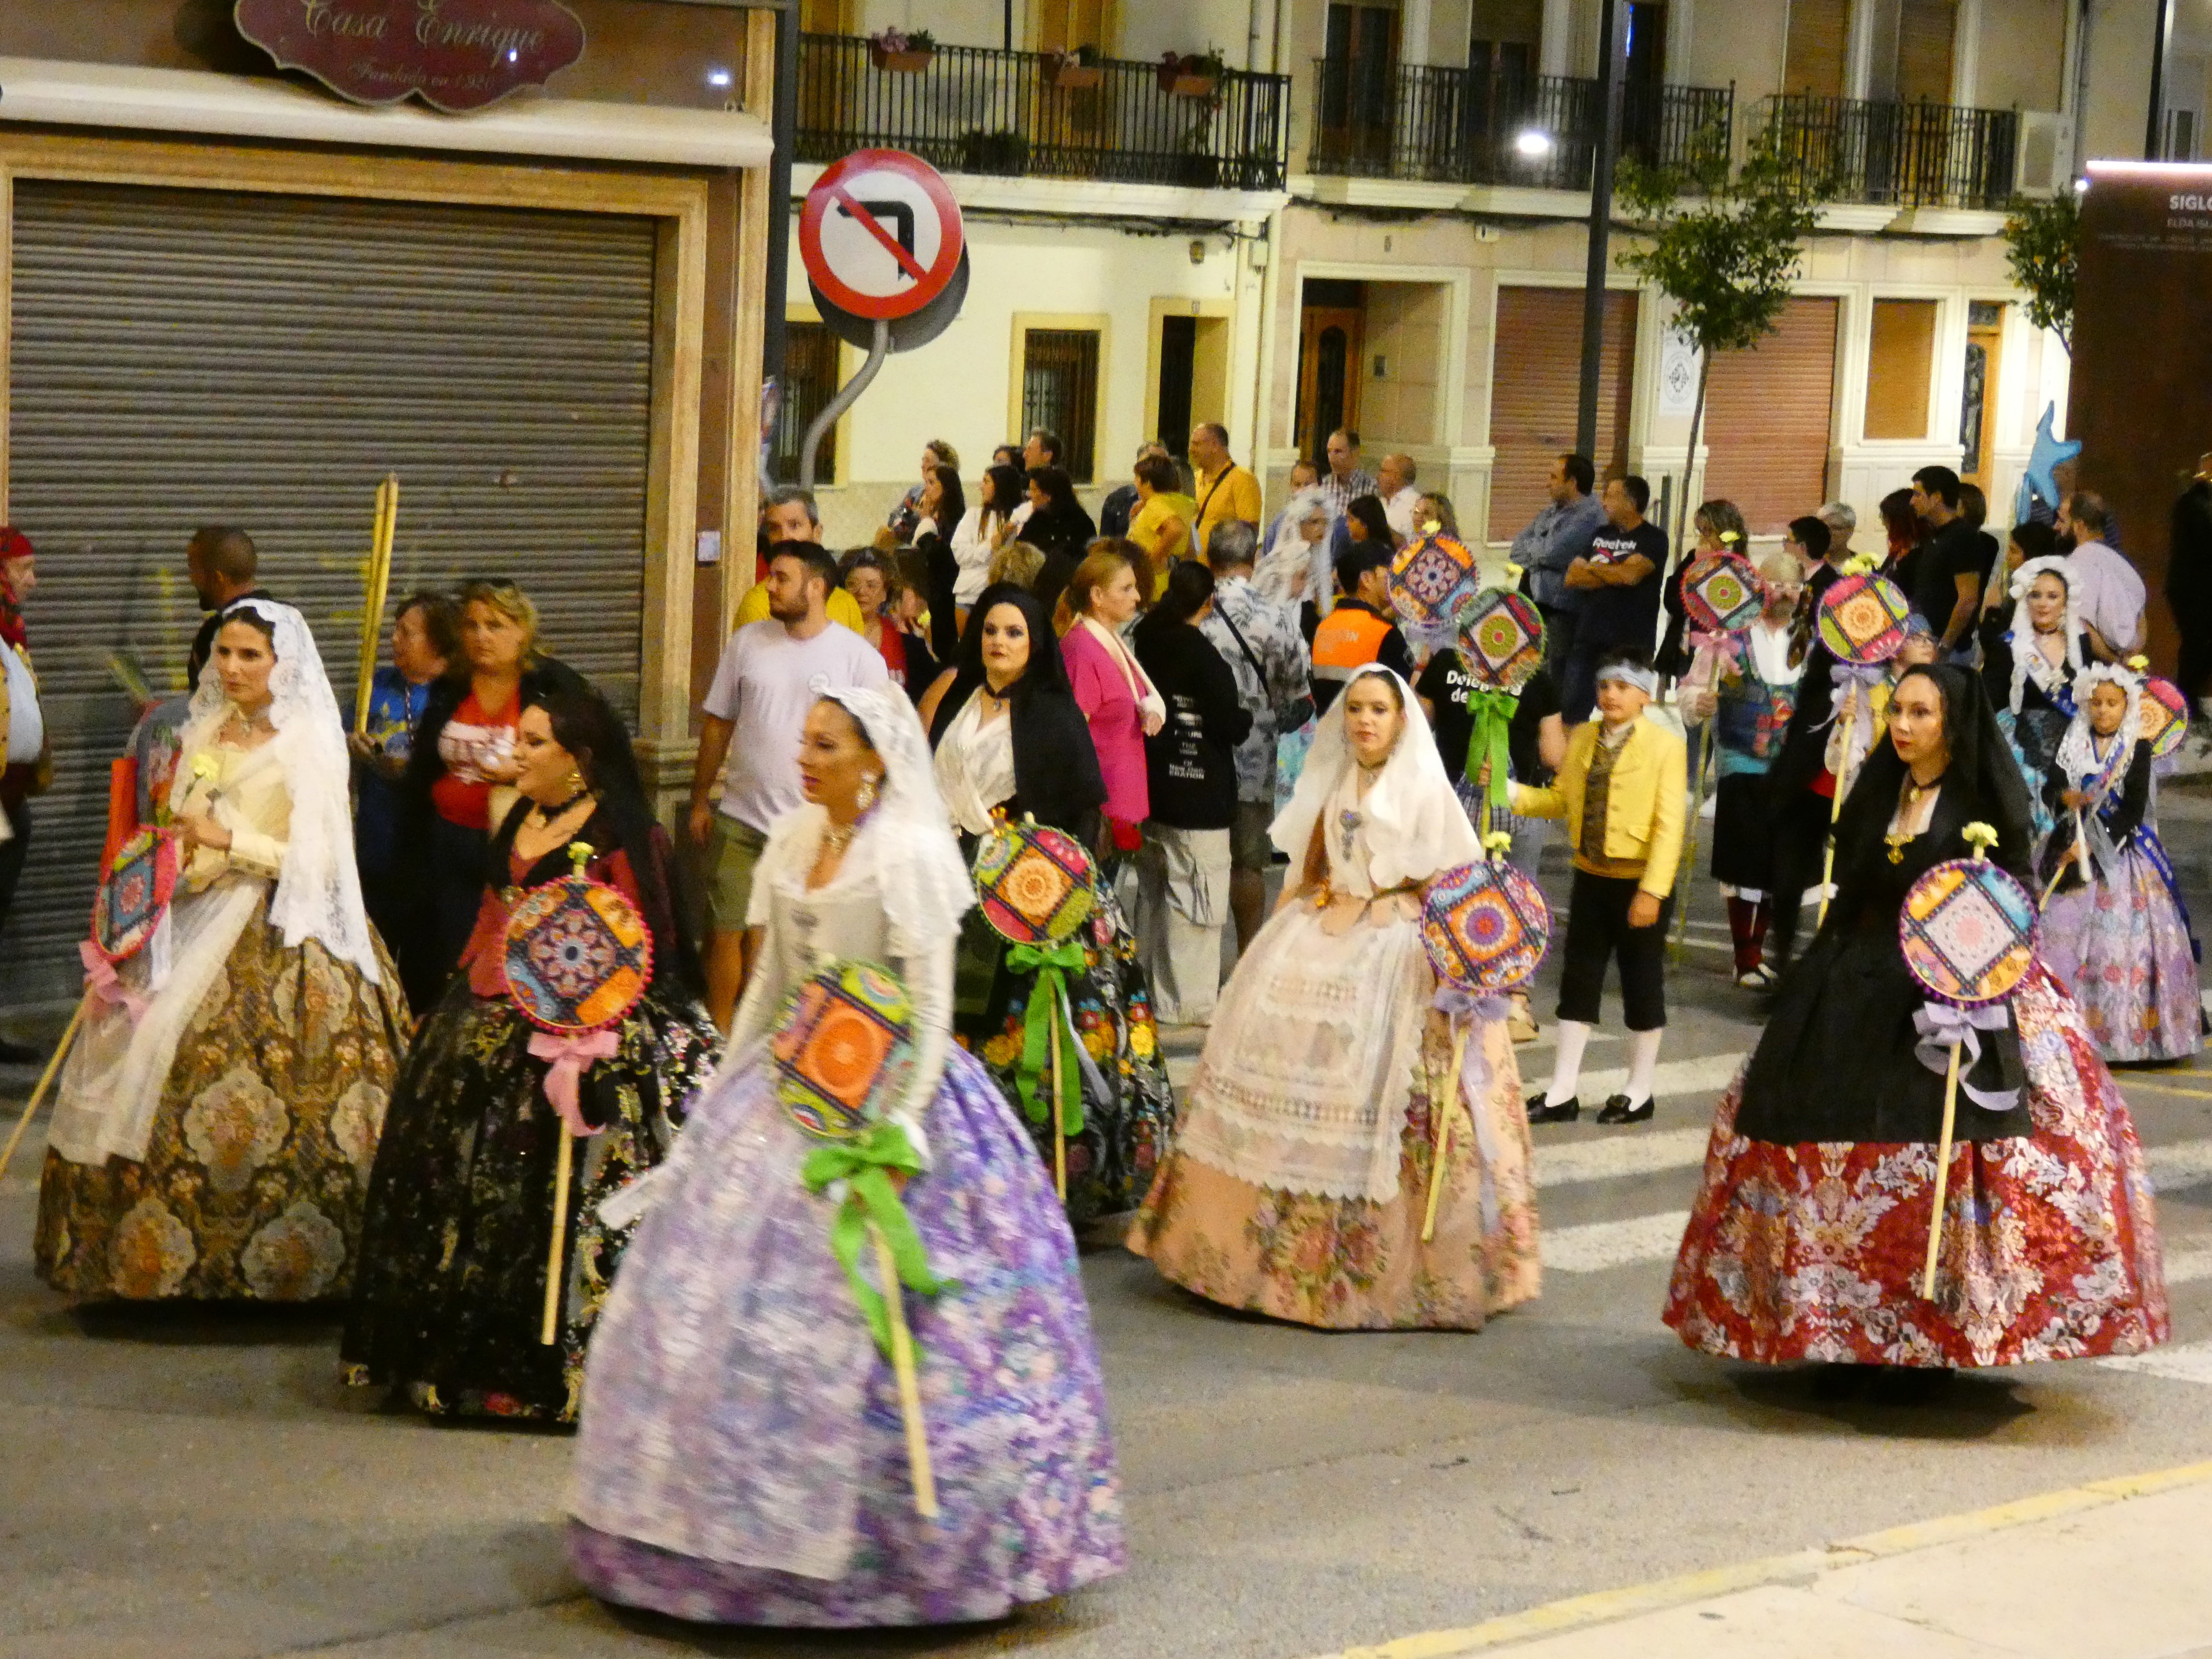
198, 1485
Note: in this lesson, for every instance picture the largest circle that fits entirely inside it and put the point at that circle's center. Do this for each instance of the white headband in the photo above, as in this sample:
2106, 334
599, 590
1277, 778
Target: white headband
1645, 680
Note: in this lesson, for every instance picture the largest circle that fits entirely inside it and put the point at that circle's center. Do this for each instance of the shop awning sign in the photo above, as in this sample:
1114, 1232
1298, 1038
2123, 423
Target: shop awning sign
454, 55
880, 234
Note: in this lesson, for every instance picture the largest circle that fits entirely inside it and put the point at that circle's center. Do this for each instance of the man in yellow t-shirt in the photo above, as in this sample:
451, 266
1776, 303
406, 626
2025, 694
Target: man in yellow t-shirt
788, 515
1226, 492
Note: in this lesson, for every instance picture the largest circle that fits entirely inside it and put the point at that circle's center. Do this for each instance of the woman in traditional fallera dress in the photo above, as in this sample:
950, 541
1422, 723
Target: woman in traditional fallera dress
450, 1299
2033, 650
1011, 738
218, 1146
2114, 929
1807, 1240
1301, 1171
741, 1458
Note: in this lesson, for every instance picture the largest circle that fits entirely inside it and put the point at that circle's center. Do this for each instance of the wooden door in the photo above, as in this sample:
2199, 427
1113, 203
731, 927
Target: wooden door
1328, 373
1359, 85
1064, 25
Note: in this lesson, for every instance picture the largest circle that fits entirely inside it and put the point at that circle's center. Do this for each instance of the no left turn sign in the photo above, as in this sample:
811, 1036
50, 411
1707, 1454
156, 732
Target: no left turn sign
880, 234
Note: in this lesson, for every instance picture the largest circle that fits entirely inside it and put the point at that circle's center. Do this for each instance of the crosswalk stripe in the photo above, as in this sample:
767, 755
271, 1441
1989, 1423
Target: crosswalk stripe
1643, 1153
2187, 1362
1710, 1073
1598, 1245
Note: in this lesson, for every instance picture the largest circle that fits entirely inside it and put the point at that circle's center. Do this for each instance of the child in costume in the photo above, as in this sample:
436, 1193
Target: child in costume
1621, 793
2115, 929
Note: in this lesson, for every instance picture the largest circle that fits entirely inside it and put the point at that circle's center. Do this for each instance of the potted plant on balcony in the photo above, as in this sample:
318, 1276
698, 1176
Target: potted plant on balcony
1076, 70
1001, 152
1190, 74
902, 52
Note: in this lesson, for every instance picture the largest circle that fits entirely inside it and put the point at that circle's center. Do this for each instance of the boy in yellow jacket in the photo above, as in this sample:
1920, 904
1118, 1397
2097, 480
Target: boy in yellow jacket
1621, 792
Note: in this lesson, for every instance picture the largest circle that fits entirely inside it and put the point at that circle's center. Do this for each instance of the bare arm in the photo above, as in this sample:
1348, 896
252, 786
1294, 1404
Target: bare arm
1962, 610
1551, 742
935, 695
706, 773
1583, 573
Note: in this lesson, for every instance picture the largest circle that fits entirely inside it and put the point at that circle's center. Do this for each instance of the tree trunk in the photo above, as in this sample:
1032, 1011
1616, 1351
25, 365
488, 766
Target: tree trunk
1690, 458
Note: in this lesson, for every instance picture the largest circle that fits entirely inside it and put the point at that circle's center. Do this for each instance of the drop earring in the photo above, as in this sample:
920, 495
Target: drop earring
868, 795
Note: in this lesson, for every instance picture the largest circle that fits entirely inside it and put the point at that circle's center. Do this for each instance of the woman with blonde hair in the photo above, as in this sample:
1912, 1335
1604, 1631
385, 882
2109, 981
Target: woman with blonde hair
460, 776
1018, 562
1100, 601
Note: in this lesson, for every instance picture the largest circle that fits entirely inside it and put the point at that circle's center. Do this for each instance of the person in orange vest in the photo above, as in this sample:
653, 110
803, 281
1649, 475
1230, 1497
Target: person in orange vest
1360, 631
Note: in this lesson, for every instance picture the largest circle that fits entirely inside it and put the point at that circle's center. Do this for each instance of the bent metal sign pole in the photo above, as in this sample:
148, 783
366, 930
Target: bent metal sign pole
881, 238
455, 55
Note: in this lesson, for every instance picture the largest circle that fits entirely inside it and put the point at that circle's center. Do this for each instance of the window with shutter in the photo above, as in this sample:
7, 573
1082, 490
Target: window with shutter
1768, 415
1899, 365
1535, 387
1819, 50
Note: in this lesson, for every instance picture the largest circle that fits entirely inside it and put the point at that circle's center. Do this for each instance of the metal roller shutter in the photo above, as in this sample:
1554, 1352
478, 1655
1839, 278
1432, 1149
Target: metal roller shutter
1536, 369
1768, 417
182, 357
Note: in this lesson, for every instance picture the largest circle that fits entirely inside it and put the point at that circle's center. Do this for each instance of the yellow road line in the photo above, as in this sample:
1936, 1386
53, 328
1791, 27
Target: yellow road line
2127, 1082
1610, 1607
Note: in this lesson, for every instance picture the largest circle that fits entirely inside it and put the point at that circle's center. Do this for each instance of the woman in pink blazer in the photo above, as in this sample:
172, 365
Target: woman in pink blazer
1119, 703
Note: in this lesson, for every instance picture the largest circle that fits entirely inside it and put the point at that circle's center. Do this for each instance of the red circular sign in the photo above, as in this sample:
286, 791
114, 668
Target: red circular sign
880, 234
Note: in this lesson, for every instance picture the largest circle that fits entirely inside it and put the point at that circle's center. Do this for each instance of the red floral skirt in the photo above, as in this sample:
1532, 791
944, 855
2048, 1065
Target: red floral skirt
2049, 1250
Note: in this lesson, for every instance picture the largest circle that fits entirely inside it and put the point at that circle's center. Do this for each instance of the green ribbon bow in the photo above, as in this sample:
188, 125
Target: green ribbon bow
1493, 719
1041, 1025
865, 1164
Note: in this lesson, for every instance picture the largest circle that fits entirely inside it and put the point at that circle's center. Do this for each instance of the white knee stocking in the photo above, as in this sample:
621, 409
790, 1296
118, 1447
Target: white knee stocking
1567, 1064
1643, 1064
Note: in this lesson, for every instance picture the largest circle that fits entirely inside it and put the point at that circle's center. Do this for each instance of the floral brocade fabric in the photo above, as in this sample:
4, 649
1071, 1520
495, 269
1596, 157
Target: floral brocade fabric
1111, 1163
1349, 1264
2050, 1248
258, 1166
455, 1247
2123, 948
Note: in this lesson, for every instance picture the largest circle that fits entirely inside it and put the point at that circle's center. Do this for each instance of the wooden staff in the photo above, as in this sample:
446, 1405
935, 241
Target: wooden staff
1981, 835
377, 590
552, 1330
1060, 1011
909, 1383
2056, 875
1835, 812
1448, 1099
46, 1080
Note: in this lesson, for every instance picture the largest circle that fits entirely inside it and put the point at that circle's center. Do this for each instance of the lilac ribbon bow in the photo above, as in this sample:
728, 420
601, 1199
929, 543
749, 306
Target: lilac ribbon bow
1941, 1026
104, 982
569, 1055
1717, 654
1456, 1003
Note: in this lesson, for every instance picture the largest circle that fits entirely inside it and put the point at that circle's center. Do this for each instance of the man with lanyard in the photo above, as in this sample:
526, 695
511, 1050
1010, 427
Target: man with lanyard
1359, 631
1554, 540
1227, 493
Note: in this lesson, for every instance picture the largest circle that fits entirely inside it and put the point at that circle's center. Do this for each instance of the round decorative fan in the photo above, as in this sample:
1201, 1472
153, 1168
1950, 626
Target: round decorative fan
843, 1046
1968, 930
1501, 637
1485, 927
1432, 580
134, 893
578, 955
1033, 883
2164, 716
1863, 618
1722, 593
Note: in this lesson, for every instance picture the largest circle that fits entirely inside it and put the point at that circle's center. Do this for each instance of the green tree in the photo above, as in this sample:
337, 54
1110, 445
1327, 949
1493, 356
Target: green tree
1725, 245
2042, 244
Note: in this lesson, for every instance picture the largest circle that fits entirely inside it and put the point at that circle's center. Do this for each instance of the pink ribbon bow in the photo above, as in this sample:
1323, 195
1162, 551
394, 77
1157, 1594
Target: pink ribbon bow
104, 982
1717, 654
569, 1055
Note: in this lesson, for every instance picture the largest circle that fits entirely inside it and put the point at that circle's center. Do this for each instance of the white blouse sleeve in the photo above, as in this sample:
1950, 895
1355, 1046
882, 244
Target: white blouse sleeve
928, 974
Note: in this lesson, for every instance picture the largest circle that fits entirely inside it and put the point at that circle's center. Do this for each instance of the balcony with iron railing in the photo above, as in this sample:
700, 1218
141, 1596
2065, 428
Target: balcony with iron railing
1906, 156
1024, 114
1424, 123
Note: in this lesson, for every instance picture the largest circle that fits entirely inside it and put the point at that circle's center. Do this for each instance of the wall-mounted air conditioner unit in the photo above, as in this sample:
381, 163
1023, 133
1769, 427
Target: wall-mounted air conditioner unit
2043, 164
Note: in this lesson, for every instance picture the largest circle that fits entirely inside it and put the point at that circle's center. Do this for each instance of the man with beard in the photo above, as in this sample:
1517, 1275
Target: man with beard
762, 689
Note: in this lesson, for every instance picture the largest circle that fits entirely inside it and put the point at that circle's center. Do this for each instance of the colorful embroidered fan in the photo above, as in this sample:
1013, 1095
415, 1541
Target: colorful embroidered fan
1863, 618
1968, 930
1485, 927
1033, 883
2164, 716
134, 895
1501, 637
843, 1047
578, 955
1722, 593
1432, 580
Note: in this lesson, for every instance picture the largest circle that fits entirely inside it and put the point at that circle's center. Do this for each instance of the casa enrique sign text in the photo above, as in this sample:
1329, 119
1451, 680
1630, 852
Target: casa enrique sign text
454, 55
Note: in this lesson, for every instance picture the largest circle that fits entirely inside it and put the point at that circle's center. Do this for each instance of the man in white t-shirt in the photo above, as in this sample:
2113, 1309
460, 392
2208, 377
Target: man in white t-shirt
762, 692
2108, 590
1394, 482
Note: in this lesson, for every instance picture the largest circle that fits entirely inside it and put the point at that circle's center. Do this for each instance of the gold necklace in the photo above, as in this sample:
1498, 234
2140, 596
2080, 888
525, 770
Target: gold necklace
1909, 797
839, 835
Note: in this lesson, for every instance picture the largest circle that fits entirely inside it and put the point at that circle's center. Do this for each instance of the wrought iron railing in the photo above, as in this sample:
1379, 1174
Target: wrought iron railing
973, 109
1899, 155
1495, 127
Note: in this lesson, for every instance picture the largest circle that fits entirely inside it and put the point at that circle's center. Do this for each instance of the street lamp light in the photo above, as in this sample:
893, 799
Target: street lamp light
1533, 143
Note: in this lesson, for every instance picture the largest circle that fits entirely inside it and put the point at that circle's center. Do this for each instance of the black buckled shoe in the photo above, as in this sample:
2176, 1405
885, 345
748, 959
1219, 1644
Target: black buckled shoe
1565, 1112
1618, 1110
